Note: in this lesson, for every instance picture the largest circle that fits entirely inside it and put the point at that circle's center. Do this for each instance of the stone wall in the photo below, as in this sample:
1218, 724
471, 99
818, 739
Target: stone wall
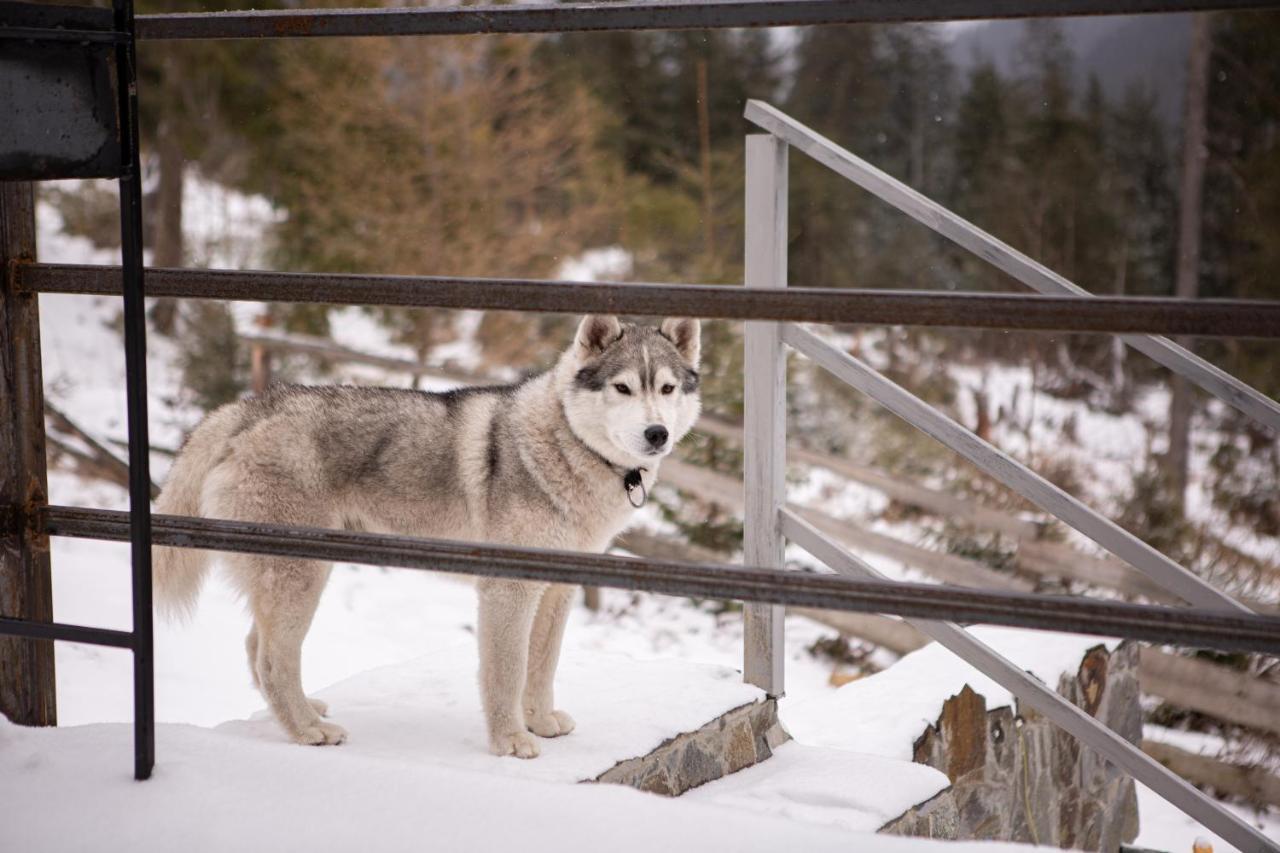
1017, 777
740, 738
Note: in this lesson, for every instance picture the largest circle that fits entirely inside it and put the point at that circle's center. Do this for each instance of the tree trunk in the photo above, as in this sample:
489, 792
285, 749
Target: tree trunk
704, 149
168, 248
1191, 189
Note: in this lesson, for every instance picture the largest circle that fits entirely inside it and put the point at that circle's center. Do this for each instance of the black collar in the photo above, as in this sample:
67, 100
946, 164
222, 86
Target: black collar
631, 478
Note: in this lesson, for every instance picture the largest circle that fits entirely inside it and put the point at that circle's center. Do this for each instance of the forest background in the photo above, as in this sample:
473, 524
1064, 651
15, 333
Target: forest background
509, 156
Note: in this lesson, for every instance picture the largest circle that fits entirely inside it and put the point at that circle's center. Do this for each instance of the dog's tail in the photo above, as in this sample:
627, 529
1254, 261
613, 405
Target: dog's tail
178, 573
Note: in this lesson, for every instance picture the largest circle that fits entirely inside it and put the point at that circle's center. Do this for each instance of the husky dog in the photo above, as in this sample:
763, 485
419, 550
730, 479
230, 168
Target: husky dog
560, 460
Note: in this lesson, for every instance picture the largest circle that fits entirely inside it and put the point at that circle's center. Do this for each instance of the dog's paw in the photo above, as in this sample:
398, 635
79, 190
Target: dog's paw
320, 706
519, 744
553, 724
322, 734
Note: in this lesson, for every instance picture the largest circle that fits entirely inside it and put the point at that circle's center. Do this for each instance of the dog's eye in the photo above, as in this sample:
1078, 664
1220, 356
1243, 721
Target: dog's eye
667, 389
622, 389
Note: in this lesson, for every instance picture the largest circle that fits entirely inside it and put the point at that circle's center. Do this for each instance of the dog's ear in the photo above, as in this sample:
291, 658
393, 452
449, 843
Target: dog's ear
597, 331
686, 334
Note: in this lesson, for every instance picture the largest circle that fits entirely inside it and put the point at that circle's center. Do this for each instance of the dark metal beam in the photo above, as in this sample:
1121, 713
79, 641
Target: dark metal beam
1101, 314
1177, 626
135, 369
61, 631
571, 17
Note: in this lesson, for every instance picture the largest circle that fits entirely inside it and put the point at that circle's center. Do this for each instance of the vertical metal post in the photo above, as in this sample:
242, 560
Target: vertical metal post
27, 693
765, 404
135, 351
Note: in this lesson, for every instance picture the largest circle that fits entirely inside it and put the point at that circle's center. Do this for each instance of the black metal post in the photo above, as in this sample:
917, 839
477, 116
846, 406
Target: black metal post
135, 350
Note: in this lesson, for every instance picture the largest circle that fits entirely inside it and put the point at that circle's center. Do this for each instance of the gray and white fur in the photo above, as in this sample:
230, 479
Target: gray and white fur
536, 464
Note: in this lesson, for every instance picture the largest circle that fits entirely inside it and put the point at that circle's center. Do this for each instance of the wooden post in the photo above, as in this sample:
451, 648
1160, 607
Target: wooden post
26, 666
765, 404
260, 368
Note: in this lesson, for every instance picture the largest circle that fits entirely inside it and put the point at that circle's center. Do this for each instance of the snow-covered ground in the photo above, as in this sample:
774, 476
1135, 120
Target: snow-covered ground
389, 647
70, 790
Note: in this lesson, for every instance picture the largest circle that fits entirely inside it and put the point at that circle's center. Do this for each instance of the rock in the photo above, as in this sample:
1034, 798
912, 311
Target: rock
740, 738
1017, 777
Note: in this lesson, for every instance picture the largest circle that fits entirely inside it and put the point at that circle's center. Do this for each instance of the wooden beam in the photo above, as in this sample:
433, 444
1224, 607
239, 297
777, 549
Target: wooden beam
1253, 783
1208, 688
27, 692
965, 510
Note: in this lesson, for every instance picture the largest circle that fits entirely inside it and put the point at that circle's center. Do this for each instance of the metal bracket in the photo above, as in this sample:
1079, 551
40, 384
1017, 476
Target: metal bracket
58, 81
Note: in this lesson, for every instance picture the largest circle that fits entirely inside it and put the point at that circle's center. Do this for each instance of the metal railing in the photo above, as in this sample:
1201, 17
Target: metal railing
770, 523
28, 519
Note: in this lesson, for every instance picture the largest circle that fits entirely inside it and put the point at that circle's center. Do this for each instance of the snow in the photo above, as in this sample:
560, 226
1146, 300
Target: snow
853, 791
69, 789
427, 711
883, 714
609, 263
1164, 828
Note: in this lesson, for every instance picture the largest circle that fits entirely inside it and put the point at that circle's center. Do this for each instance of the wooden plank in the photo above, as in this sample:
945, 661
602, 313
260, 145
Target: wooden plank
964, 510
1003, 256
26, 666
1211, 689
1009, 471
1253, 783
895, 635
945, 567
1036, 694
765, 405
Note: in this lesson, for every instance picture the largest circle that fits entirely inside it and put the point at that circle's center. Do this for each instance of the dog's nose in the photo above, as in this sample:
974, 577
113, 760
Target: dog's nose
656, 435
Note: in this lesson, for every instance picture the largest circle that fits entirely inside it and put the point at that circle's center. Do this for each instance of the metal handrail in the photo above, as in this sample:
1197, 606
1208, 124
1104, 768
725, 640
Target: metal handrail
1010, 472
769, 522
1227, 317
1035, 275
671, 14
1196, 628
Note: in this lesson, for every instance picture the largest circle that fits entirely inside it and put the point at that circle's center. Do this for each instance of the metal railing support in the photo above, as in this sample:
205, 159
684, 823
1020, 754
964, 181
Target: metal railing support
765, 405
27, 693
1010, 472
135, 368
1035, 275
1089, 731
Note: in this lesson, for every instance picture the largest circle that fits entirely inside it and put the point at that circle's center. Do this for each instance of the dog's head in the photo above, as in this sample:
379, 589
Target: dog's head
632, 391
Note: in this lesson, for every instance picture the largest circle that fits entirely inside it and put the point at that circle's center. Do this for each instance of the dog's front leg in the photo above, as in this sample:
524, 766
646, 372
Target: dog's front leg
506, 615
544, 652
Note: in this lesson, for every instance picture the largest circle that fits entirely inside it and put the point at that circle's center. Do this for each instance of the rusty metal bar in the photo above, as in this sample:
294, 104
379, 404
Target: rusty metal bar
1176, 626
1095, 314
70, 633
670, 15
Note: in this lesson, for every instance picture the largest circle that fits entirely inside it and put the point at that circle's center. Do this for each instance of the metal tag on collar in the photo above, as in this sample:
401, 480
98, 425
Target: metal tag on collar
632, 481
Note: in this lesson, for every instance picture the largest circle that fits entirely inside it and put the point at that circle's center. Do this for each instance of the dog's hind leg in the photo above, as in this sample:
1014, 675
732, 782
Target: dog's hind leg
283, 595
506, 616
251, 647
544, 653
